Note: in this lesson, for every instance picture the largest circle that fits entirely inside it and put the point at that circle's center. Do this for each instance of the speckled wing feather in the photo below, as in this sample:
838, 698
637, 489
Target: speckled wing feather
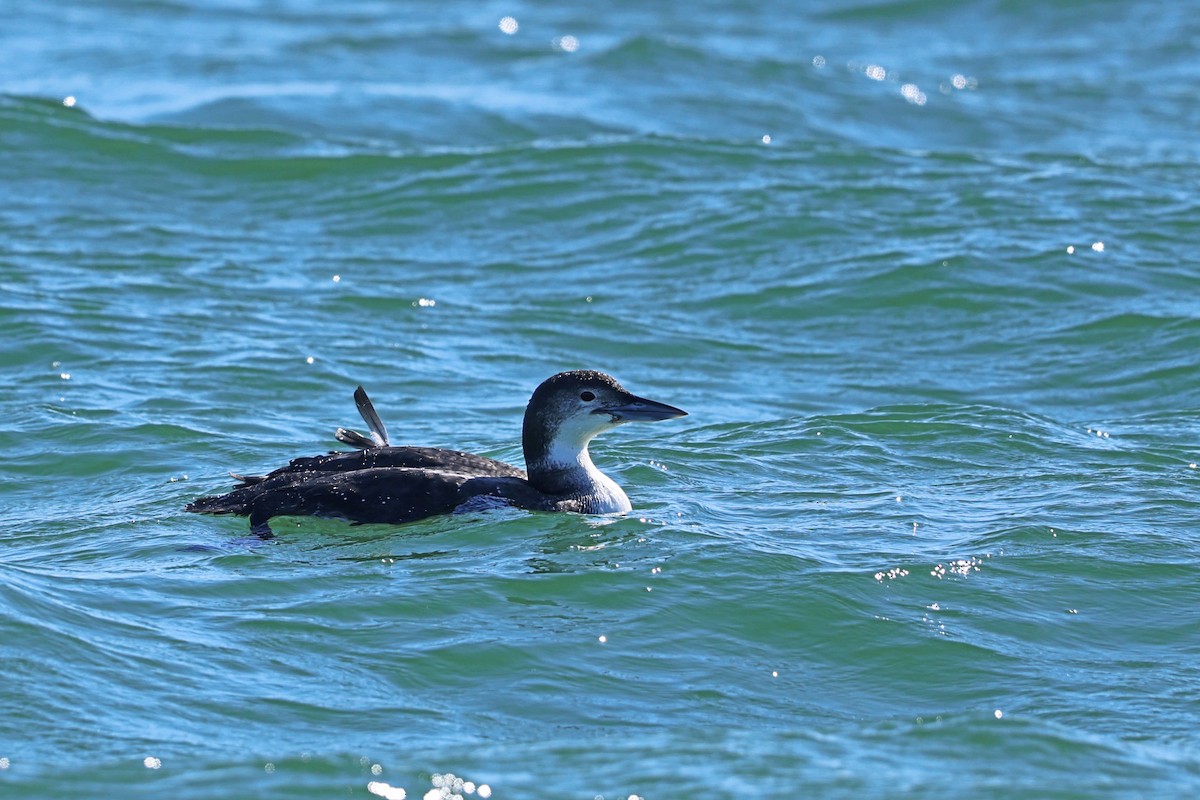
391, 495
383, 484
373, 495
435, 458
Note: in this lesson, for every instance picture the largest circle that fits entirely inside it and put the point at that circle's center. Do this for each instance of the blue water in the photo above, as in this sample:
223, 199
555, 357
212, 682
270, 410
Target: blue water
922, 273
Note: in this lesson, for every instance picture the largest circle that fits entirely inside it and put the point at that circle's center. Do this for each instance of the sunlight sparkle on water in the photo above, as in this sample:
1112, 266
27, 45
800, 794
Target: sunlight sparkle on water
451, 787
892, 574
69, 101
568, 43
875, 72
150, 762
961, 567
509, 25
4, 763
913, 94
386, 791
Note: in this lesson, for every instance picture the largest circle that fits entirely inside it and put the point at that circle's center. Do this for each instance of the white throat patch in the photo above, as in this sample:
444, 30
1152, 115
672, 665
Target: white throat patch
568, 452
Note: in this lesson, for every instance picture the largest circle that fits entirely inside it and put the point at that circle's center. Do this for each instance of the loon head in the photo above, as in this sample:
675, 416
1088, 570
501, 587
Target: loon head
565, 413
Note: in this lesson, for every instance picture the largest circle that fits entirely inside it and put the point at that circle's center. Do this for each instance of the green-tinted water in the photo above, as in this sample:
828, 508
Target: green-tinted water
920, 274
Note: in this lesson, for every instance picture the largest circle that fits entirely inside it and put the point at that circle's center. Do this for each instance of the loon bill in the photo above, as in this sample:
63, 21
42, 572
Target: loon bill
380, 483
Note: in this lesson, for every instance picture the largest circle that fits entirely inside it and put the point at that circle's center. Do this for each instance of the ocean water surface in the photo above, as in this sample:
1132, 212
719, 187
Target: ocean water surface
924, 274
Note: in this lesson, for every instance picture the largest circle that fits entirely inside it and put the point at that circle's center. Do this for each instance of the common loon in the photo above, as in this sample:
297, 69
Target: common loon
382, 483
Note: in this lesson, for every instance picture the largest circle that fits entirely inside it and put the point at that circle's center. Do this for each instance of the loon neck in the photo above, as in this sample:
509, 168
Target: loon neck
558, 468
558, 463
579, 479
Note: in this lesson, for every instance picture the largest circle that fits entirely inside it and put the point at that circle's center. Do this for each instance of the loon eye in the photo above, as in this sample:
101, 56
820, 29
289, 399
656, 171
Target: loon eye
587, 397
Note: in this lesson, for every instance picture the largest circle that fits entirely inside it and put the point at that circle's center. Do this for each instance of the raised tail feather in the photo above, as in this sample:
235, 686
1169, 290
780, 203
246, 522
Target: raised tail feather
354, 439
378, 431
367, 410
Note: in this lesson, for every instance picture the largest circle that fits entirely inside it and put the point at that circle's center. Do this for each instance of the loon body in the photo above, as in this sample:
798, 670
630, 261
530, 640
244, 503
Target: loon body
383, 483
